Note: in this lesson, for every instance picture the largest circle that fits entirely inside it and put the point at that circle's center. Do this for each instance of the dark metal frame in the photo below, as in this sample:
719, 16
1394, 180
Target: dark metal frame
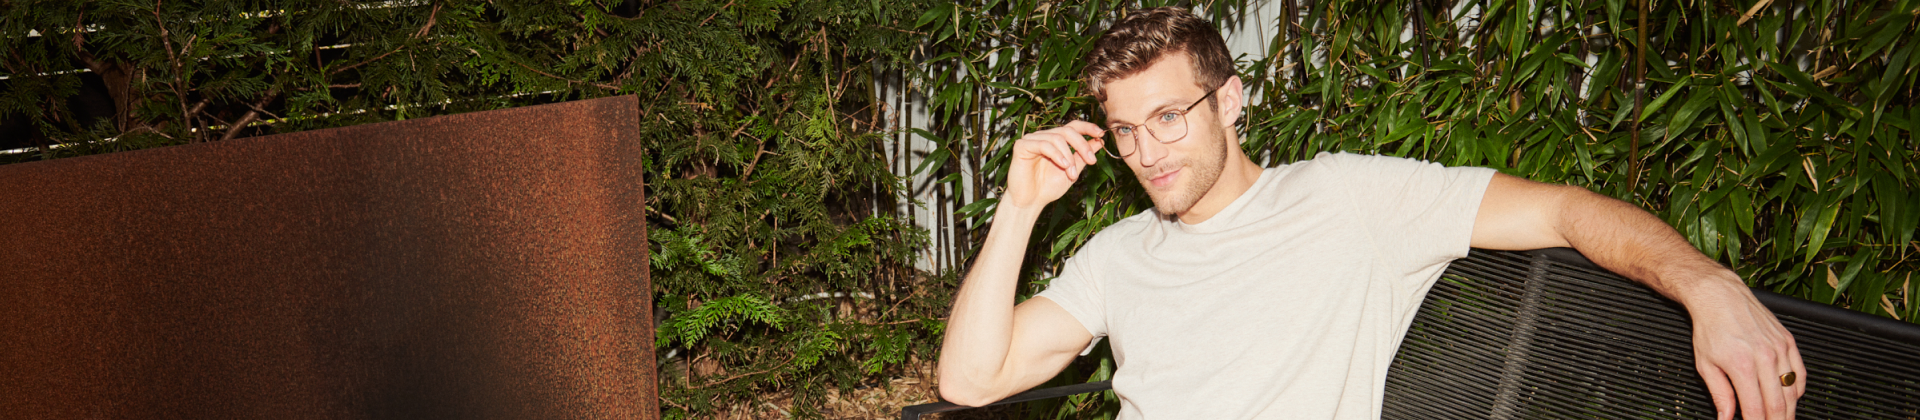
914, 412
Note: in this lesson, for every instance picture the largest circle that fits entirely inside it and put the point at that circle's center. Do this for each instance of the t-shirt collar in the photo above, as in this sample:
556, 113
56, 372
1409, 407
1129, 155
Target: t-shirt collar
1225, 219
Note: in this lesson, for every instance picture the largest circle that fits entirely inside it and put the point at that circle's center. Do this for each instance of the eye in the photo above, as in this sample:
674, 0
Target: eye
1169, 117
1124, 131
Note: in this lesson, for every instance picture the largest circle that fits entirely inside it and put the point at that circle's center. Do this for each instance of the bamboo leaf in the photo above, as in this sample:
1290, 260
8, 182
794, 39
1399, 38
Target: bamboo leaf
1822, 226
1897, 219
1854, 264
1683, 119
1528, 66
1742, 205
1897, 66
1624, 110
1054, 84
978, 207
933, 14
1709, 232
1803, 86
935, 159
1729, 235
1570, 59
1769, 161
1891, 27
1653, 107
1825, 291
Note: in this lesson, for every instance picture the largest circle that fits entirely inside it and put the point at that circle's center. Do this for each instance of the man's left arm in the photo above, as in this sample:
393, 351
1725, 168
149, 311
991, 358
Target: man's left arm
1739, 347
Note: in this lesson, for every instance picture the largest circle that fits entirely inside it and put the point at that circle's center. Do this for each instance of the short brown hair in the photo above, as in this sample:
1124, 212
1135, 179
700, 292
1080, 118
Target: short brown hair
1146, 35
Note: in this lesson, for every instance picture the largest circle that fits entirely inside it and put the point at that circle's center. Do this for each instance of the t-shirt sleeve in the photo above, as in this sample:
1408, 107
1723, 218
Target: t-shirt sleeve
1420, 213
1077, 290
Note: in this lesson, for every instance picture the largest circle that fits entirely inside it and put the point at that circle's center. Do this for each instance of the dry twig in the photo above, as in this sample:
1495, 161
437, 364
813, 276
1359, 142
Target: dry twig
251, 116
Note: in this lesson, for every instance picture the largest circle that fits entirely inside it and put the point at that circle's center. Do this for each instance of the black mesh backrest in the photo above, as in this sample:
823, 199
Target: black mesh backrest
1544, 334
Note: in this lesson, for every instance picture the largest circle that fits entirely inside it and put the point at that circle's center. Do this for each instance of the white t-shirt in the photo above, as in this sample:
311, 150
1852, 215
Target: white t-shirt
1288, 304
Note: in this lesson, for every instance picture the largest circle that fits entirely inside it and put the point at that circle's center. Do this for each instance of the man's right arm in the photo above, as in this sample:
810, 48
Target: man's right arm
992, 348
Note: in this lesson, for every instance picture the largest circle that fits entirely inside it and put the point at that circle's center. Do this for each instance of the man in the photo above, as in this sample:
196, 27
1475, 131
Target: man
1284, 292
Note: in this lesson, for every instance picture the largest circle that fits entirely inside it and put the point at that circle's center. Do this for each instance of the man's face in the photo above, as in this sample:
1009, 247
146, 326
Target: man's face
1175, 175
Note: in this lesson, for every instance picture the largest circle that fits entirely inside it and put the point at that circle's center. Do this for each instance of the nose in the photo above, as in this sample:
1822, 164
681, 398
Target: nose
1151, 151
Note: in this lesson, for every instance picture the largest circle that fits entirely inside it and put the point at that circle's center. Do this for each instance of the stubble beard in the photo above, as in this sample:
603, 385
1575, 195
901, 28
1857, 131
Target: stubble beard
1204, 170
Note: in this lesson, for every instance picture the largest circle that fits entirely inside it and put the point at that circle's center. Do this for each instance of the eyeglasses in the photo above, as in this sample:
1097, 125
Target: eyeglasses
1168, 127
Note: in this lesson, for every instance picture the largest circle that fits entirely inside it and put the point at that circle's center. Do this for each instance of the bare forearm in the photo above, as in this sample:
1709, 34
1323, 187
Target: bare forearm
1627, 240
991, 346
1743, 353
1740, 349
979, 333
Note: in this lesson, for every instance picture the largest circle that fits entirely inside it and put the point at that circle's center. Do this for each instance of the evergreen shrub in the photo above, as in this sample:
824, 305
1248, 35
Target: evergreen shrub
779, 267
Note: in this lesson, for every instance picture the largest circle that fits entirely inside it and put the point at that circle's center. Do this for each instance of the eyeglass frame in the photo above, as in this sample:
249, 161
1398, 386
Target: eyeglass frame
1115, 130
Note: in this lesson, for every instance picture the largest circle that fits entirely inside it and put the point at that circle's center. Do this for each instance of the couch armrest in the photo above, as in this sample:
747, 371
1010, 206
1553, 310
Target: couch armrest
914, 412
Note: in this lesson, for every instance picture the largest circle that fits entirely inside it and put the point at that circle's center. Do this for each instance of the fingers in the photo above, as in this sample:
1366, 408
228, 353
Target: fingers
1753, 384
1055, 155
1742, 353
1773, 395
1799, 369
1089, 148
1773, 360
1800, 386
1067, 147
1764, 397
1778, 397
1757, 381
1719, 388
1752, 404
1066, 159
1086, 128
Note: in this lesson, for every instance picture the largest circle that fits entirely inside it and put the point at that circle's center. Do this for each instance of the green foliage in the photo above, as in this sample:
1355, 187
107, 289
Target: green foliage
693, 326
776, 265
1785, 178
1780, 172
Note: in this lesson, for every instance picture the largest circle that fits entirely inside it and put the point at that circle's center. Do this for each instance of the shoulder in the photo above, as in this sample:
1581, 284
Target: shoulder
1328, 166
1108, 241
1347, 167
1086, 263
1343, 161
1325, 169
1138, 224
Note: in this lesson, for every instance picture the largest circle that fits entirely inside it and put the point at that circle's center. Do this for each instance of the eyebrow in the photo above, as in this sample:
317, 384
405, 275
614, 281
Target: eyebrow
1111, 122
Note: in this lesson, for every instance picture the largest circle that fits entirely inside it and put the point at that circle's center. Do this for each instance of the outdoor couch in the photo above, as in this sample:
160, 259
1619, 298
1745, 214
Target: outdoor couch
1547, 334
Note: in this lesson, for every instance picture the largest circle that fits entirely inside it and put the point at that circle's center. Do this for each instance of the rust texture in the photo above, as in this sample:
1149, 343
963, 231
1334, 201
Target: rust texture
482, 265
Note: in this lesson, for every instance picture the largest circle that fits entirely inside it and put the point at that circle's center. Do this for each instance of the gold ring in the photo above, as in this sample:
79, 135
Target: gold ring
1787, 379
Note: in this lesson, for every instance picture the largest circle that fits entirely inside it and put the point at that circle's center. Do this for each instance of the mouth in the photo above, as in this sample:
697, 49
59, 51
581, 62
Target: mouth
1165, 179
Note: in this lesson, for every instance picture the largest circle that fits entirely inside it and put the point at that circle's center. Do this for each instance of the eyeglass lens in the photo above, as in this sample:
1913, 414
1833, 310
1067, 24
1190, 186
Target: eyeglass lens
1166, 128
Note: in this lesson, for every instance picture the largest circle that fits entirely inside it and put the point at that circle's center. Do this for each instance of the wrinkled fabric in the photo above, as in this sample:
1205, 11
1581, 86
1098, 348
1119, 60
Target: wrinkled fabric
1288, 304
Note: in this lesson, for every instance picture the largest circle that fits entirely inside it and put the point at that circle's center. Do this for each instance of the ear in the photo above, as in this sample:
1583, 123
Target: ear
1232, 97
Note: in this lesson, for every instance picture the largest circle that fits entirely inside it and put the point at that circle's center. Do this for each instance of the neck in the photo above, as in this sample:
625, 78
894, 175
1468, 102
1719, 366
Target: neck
1238, 175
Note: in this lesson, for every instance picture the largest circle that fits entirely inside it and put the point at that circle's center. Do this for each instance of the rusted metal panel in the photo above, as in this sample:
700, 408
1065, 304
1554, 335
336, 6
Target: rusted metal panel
482, 265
